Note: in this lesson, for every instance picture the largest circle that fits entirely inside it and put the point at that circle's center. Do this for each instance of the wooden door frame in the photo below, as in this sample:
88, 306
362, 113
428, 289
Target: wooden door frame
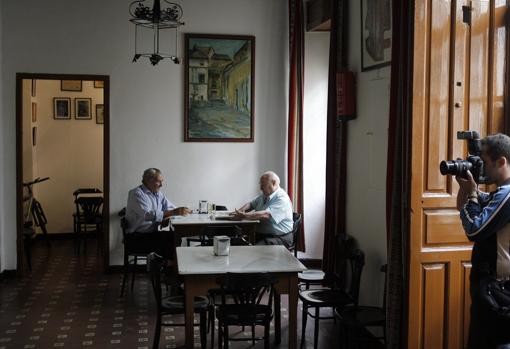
19, 157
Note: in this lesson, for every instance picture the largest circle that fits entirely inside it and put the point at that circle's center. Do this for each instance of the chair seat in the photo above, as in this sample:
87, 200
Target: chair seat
176, 303
244, 314
311, 275
325, 297
365, 315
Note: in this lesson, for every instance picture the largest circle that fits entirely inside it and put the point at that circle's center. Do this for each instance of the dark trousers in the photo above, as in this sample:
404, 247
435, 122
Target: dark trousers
264, 239
161, 242
487, 330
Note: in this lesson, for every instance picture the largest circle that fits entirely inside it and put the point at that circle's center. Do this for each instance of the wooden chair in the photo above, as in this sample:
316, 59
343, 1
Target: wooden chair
247, 308
88, 217
172, 305
344, 291
355, 319
83, 192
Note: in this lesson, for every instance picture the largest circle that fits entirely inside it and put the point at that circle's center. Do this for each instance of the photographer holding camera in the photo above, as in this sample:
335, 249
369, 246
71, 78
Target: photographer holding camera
485, 218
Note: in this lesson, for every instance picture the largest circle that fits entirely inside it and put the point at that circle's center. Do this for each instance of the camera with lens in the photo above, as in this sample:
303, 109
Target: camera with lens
473, 162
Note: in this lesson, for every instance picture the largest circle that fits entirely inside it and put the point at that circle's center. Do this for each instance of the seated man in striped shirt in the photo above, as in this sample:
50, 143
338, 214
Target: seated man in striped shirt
146, 208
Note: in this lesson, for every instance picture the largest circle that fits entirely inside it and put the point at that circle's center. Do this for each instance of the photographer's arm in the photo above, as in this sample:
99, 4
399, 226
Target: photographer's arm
468, 189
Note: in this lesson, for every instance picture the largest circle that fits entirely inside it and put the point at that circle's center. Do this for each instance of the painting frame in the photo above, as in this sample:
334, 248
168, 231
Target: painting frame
376, 34
82, 108
61, 108
71, 85
99, 114
219, 88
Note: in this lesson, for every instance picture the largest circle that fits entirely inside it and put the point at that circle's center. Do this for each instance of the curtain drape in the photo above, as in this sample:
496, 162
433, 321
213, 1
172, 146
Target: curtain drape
398, 174
336, 144
295, 122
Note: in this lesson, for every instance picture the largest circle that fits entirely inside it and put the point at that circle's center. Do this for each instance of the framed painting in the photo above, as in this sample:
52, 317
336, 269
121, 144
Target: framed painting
82, 108
219, 88
99, 113
61, 108
375, 34
70, 85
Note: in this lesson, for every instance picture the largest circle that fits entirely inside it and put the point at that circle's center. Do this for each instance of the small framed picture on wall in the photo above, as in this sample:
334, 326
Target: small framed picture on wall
99, 113
82, 108
70, 85
61, 108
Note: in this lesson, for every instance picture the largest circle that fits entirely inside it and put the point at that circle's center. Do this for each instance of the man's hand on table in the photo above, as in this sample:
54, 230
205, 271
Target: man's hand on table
238, 214
180, 211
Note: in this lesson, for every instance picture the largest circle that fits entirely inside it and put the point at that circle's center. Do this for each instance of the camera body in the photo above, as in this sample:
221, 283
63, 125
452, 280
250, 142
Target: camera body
473, 162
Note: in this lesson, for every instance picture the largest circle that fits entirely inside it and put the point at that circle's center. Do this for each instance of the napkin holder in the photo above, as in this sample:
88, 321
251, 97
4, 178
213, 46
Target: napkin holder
221, 245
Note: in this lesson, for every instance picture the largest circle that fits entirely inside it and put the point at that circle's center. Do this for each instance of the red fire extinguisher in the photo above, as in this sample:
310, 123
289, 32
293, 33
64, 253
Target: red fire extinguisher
345, 95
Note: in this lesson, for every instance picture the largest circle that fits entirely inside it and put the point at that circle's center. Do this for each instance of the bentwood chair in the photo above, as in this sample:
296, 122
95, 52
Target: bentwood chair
355, 319
173, 305
344, 291
246, 306
88, 218
86, 192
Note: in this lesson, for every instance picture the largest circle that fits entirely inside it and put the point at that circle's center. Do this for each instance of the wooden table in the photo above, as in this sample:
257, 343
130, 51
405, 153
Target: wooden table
192, 224
200, 270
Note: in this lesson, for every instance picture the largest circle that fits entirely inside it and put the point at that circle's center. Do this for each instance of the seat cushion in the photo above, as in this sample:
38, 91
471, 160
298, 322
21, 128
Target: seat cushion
244, 315
174, 303
311, 275
362, 315
325, 297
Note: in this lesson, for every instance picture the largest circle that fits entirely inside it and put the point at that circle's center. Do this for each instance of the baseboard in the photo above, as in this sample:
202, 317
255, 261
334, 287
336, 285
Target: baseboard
311, 263
62, 236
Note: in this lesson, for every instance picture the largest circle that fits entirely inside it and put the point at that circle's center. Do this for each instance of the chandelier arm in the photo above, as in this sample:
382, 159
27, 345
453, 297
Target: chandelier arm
131, 7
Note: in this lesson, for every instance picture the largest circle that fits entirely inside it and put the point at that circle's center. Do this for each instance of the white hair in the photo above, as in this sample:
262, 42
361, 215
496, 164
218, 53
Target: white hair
272, 176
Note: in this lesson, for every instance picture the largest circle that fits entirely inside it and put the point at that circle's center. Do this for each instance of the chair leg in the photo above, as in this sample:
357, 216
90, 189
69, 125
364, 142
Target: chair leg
157, 333
225, 336
316, 329
212, 315
133, 272
277, 318
124, 278
303, 323
203, 329
253, 334
266, 336
220, 335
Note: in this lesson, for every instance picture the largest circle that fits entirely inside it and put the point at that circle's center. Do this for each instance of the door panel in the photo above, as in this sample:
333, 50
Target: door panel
458, 84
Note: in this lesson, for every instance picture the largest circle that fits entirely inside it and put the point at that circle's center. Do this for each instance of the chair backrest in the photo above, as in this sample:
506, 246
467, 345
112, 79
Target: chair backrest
154, 267
247, 289
296, 230
89, 207
350, 261
123, 222
80, 191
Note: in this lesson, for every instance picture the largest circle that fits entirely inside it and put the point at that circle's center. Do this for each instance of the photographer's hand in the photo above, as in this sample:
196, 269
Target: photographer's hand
467, 189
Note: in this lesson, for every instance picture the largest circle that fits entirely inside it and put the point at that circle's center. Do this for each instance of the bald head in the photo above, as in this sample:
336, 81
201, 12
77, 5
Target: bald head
269, 183
152, 179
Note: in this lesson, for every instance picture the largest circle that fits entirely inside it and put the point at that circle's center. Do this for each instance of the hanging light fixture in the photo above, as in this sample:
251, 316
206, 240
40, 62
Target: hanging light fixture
160, 21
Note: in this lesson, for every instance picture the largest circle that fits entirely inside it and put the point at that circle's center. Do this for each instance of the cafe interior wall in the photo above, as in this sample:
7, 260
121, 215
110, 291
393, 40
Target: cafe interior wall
366, 163
146, 102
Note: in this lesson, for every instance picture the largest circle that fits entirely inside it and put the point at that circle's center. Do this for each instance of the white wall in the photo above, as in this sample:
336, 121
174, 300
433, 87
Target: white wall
366, 164
79, 145
147, 102
314, 140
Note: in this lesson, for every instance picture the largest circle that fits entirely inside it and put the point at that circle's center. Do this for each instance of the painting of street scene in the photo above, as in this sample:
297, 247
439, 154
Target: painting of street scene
219, 88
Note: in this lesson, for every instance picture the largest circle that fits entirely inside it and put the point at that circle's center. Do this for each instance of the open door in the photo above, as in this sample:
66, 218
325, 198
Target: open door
51, 108
458, 84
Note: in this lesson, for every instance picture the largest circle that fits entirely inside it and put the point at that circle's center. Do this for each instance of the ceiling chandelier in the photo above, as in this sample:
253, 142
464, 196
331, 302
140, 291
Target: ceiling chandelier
152, 24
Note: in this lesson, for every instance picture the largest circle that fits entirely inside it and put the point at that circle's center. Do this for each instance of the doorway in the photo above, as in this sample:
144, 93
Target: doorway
49, 109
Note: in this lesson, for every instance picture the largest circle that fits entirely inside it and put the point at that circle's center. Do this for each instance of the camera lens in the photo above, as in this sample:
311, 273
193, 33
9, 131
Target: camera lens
455, 167
447, 167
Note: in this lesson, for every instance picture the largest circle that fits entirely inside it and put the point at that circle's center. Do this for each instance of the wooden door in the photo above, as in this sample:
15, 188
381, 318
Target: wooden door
458, 84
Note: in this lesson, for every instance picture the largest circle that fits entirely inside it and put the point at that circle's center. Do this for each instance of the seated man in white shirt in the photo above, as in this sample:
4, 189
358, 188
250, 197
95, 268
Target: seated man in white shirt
274, 210
146, 209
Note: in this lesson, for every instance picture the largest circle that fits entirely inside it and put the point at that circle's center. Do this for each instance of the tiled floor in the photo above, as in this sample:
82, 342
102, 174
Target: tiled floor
68, 302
